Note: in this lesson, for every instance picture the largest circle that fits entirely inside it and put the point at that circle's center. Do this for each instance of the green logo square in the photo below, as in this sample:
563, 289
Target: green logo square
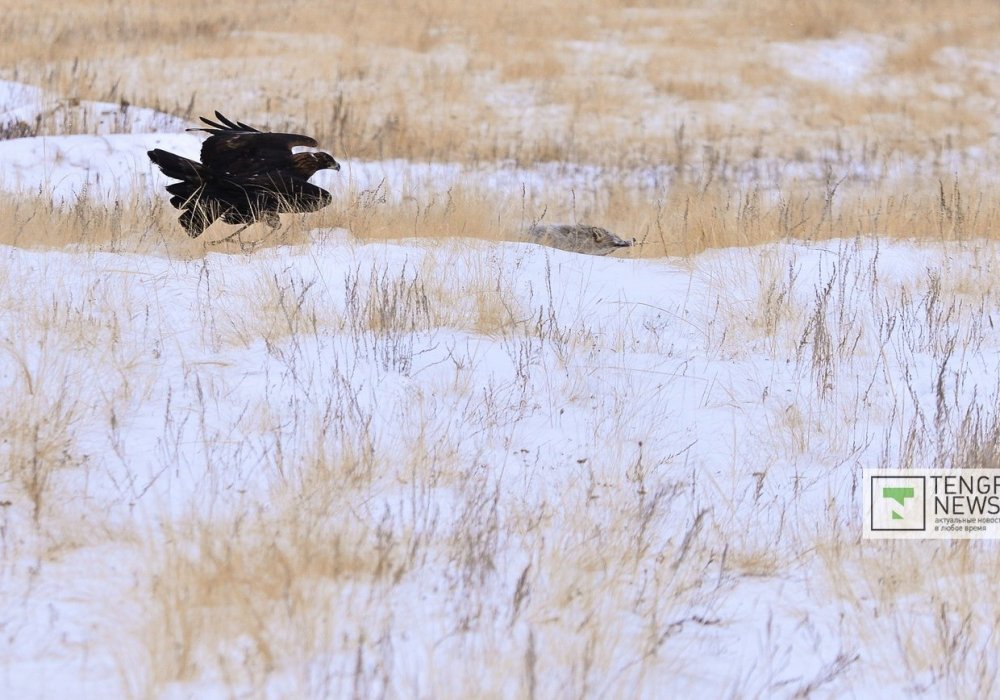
898, 503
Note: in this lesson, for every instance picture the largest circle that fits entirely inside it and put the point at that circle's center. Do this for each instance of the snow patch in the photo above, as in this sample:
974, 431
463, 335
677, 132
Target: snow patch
844, 63
41, 110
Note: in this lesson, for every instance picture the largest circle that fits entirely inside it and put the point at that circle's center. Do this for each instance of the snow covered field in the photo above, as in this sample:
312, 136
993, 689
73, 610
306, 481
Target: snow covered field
429, 469
454, 467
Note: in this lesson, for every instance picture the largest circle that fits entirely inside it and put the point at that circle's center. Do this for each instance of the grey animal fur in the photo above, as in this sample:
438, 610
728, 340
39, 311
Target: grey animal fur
577, 238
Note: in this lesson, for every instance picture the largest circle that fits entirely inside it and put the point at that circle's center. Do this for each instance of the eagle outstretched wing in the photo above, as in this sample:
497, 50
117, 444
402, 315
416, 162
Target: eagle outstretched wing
239, 149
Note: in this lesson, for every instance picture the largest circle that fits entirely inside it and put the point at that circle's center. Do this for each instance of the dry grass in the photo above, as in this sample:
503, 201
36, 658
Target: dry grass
273, 590
316, 540
595, 82
930, 619
682, 220
681, 88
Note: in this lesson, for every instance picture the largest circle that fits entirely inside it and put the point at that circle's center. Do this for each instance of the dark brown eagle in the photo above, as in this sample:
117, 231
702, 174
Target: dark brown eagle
245, 175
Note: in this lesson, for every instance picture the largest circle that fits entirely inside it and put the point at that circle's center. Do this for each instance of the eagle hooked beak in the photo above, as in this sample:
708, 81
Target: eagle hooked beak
331, 162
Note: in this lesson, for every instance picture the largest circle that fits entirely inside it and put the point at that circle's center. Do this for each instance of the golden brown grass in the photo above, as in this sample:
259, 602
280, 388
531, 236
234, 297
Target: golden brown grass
677, 86
685, 219
599, 82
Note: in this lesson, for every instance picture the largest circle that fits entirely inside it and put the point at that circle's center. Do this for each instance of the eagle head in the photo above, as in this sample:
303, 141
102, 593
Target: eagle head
309, 163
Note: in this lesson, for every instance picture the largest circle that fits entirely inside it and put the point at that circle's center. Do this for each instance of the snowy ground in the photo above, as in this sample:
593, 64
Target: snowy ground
99, 150
166, 392
442, 468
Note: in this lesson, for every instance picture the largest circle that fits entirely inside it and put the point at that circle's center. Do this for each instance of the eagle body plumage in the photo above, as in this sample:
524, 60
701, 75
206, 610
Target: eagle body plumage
245, 175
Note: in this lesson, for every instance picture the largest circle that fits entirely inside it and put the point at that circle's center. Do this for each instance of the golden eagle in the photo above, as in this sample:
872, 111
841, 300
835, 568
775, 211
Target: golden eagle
245, 175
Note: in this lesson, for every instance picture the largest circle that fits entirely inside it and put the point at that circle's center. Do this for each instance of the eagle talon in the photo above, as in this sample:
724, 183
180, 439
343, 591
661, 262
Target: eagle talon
235, 235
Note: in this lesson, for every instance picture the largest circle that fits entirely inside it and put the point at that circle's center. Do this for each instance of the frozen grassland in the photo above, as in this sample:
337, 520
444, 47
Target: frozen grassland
467, 467
391, 452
